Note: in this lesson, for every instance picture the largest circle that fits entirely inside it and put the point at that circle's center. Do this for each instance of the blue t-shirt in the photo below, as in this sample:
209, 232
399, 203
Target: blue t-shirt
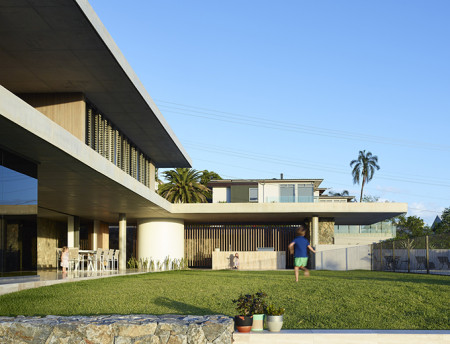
300, 247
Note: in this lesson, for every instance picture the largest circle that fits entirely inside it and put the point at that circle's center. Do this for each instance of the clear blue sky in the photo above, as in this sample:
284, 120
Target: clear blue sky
253, 89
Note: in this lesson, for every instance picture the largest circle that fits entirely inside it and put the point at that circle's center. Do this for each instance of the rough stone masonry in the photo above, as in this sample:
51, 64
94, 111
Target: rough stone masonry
118, 329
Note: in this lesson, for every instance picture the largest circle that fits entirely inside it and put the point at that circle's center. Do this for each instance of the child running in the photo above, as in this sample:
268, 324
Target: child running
299, 247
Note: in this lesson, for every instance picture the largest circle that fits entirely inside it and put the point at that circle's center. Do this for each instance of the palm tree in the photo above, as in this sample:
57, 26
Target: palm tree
183, 186
364, 168
343, 193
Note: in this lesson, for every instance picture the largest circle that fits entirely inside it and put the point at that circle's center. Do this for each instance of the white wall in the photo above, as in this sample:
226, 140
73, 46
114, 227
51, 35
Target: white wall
159, 238
271, 191
329, 257
221, 194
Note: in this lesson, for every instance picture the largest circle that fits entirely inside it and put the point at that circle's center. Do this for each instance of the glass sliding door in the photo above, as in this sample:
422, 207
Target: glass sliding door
18, 214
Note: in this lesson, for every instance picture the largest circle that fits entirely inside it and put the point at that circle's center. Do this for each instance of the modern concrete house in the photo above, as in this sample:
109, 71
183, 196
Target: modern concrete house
80, 139
336, 227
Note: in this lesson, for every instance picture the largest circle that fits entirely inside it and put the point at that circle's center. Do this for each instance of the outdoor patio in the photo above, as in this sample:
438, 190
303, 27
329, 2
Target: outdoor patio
44, 278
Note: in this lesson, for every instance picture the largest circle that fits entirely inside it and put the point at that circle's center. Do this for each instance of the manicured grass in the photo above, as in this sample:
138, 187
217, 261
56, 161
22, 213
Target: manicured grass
326, 300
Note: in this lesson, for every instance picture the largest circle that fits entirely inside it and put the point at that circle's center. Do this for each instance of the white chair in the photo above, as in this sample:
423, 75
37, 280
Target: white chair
98, 260
116, 259
74, 258
106, 259
111, 259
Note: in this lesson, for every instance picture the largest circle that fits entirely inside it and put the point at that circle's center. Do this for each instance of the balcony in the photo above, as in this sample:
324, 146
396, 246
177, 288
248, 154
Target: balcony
292, 199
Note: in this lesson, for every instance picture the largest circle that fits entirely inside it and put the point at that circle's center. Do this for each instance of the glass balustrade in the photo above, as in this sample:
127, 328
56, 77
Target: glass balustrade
292, 199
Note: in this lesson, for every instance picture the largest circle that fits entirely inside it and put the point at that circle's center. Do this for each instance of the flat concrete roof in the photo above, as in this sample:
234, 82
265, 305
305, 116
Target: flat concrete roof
62, 46
344, 213
73, 179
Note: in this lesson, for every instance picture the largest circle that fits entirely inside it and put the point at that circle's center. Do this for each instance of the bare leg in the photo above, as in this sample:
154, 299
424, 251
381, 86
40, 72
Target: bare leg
305, 270
296, 273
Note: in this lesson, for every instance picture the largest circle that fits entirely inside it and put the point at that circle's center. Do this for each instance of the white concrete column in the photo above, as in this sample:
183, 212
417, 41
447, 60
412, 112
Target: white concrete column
70, 231
95, 234
122, 241
315, 231
160, 238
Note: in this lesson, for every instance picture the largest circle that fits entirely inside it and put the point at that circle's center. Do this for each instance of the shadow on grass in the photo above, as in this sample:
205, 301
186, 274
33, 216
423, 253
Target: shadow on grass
182, 308
405, 278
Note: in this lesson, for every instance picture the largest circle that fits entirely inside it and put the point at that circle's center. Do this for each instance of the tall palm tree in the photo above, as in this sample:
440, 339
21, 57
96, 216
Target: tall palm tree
364, 168
183, 186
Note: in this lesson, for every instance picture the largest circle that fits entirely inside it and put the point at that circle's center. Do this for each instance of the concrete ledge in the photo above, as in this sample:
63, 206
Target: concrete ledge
123, 329
344, 336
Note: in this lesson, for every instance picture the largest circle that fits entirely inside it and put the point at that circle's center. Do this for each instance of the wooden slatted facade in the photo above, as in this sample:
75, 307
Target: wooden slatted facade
202, 239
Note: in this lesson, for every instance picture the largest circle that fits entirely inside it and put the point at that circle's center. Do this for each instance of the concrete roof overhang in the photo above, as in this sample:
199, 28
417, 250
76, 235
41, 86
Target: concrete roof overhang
73, 179
343, 213
62, 46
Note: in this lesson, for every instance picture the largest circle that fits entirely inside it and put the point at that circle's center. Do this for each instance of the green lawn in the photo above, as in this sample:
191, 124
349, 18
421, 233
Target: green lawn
326, 300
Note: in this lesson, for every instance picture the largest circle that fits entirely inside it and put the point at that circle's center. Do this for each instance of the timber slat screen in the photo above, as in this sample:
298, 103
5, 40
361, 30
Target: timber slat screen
201, 240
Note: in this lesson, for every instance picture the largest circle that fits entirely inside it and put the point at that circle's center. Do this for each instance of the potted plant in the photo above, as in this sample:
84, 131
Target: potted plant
259, 306
274, 318
244, 306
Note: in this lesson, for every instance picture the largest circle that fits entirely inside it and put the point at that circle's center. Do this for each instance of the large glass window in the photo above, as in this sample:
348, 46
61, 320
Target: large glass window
287, 193
305, 193
18, 223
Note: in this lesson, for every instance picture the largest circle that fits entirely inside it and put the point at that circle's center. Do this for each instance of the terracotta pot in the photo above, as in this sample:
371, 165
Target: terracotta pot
243, 323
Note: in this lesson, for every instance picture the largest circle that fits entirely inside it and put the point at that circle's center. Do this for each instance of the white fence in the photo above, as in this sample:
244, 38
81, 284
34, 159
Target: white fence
347, 258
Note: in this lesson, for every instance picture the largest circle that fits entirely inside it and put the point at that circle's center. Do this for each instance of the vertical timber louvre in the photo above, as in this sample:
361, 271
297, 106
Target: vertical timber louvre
202, 239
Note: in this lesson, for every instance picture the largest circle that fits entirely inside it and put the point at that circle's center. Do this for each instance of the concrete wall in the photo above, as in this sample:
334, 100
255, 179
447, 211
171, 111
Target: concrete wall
160, 238
254, 260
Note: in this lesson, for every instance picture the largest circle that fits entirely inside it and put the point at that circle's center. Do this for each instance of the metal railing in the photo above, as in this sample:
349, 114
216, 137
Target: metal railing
428, 254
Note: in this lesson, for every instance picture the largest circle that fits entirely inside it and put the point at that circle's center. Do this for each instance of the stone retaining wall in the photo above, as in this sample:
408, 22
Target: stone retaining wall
118, 329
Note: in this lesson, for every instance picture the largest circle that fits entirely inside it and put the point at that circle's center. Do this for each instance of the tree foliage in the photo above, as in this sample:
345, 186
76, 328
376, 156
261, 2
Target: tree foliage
187, 185
207, 176
411, 226
184, 186
342, 193
444, 226
370, 199
363, 169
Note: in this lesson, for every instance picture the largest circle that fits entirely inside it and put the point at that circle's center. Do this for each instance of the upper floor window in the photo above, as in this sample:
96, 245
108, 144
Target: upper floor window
253, 194
305, 193
287, 193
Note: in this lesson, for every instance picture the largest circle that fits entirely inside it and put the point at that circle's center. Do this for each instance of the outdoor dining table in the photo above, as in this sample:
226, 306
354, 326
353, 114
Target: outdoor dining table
87, 256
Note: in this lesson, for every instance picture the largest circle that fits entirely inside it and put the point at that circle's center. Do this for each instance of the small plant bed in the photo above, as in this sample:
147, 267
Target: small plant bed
326, 300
